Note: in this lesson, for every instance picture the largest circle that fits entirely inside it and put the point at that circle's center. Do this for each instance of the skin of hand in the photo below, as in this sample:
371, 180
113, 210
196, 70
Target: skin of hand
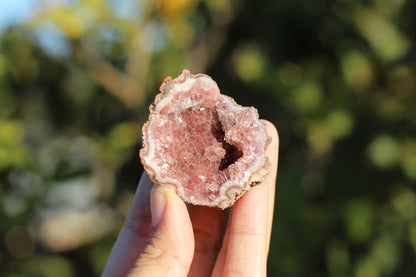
162, 236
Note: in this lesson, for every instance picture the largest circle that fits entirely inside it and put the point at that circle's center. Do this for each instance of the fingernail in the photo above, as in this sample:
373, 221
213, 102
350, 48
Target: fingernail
157, 204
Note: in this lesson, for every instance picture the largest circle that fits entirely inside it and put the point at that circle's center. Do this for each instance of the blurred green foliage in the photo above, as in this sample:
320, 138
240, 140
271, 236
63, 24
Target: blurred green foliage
336, 77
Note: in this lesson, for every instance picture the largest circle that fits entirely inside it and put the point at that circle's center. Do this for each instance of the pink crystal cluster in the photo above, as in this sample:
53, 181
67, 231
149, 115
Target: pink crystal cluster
202, 142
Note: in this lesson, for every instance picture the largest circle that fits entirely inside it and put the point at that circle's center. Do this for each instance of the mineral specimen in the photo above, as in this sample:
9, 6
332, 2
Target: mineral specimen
210, 148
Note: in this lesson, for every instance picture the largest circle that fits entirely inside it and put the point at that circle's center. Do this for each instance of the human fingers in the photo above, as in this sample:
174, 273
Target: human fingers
220, 261
170, 246
273, 154
245, 248
132, 238
208, 226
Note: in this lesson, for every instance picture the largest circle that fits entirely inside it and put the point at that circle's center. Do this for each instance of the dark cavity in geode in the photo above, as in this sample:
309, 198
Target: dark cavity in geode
232, 153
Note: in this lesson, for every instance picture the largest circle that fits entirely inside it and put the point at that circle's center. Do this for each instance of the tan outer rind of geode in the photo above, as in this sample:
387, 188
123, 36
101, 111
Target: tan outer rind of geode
232, 193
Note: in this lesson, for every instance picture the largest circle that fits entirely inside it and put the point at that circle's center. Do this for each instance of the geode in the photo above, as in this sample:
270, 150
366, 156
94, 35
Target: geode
210, 148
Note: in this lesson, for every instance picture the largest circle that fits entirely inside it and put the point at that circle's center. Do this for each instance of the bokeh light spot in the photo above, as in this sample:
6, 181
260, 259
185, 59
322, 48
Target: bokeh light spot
384, 151
359, 221
249, 63
307, 97
408, 158
357, 70
383, 36
340, 123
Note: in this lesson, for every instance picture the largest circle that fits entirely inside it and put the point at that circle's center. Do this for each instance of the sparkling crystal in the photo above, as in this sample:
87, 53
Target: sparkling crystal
201, 141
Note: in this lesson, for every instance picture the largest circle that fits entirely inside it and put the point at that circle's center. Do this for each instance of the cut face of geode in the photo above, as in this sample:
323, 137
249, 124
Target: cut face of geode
202, 142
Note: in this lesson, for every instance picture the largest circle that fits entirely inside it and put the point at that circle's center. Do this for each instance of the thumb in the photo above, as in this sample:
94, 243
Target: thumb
170, 246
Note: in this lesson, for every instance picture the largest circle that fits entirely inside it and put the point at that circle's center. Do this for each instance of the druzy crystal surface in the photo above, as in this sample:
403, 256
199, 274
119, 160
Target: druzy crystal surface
202, 142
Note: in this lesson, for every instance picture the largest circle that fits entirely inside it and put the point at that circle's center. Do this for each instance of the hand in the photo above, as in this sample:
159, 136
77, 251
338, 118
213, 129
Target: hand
164, 237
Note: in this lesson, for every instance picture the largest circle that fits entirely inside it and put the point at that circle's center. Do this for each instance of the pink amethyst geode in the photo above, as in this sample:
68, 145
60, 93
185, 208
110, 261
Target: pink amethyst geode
210, 148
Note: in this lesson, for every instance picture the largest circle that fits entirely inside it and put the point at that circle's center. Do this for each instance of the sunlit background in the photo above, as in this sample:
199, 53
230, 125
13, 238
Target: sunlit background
337, 78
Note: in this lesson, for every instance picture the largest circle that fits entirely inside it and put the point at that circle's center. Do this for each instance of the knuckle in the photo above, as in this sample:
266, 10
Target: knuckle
247, 231
156, 252
243, 273
153, 250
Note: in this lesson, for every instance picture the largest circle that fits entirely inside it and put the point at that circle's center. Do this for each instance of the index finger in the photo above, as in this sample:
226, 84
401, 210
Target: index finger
133, 235
251, 220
